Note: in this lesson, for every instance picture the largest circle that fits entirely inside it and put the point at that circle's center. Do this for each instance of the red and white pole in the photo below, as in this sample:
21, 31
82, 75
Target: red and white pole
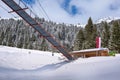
98, 42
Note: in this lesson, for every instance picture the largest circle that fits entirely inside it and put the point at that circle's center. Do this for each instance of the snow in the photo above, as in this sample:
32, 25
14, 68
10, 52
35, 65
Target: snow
107, 19
24, 64
25, 59
89, 50
81, 25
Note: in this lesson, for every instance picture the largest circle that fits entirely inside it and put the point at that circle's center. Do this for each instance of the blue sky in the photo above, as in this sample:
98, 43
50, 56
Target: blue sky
30, 2
71, 10
75, 11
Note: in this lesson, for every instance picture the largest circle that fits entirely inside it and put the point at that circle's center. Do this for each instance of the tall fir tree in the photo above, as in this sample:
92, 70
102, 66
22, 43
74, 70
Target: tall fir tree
79, 41
2, 37
44, 45
89, 27
90, 34
115, 37
105, 35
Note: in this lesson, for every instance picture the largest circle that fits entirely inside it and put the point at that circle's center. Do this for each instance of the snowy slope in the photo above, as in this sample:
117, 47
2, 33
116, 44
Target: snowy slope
22, 64
80, 25
107, 19
25, 59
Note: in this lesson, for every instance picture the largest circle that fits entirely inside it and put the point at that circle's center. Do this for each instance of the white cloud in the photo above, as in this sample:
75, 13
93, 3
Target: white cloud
94, 8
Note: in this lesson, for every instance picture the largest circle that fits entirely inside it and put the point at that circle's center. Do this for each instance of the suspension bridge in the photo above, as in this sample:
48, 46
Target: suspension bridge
37, 26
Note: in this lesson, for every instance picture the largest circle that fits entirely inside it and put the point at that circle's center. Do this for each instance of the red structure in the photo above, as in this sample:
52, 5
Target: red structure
98, 42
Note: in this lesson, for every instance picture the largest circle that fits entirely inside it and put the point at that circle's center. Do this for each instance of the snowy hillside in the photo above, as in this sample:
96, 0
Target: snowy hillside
25, 59
22, 64
107, 19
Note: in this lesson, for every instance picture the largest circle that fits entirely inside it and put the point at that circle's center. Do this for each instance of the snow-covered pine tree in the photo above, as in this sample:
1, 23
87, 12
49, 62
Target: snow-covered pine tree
105, 34
115, 37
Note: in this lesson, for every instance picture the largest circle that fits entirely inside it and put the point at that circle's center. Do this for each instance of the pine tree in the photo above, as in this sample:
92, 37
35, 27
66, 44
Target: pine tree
93, 36
1, 37
44, 45
10, 41
106, 35
90, 34
89, 27
78, 44
115, 37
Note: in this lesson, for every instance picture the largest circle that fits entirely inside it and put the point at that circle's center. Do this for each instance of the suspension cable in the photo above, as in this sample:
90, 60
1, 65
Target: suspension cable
29, 9
42, 13
34, 11
7, 11
43, 9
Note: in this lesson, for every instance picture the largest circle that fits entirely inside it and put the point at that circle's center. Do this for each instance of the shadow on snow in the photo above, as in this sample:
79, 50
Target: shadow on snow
43, 68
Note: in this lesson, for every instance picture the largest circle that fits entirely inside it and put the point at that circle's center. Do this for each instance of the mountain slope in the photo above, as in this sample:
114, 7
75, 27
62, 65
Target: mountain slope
107, 19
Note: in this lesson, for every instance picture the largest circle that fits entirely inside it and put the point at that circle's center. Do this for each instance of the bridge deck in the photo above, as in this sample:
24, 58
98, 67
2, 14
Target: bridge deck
24, 15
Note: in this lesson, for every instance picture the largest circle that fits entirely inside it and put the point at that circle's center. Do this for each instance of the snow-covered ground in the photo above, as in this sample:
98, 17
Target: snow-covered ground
22, 64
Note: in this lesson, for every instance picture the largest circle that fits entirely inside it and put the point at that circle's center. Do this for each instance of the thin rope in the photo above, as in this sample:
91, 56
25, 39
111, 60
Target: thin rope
43, 9
7, 11
29, 9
